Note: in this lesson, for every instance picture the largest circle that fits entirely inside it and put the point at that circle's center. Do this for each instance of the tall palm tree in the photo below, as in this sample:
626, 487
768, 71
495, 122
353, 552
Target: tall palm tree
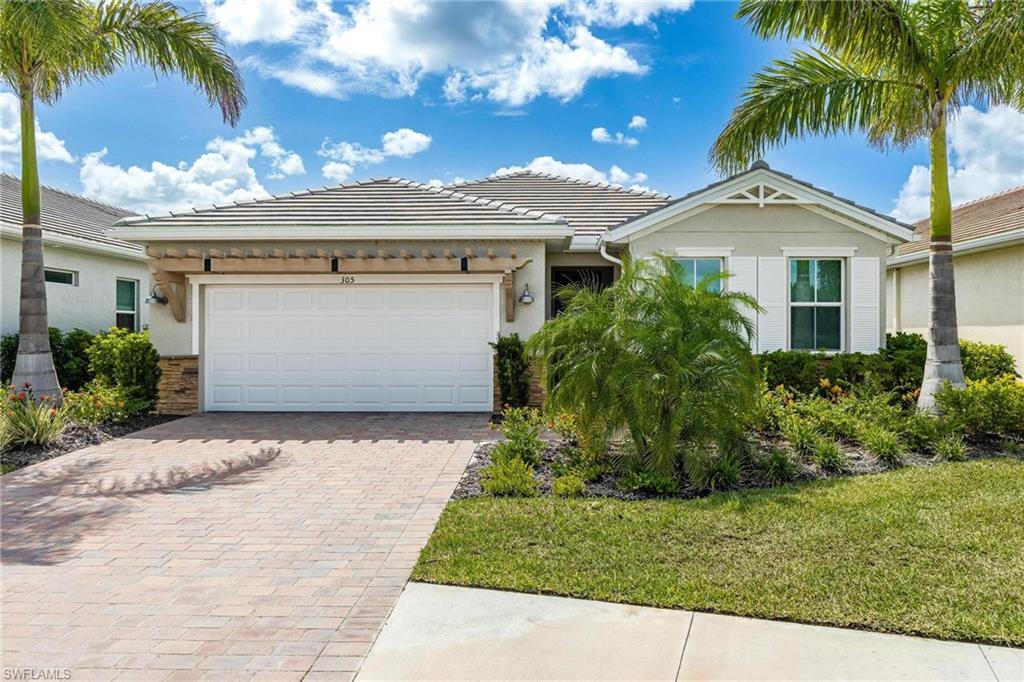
896, 70
49, 45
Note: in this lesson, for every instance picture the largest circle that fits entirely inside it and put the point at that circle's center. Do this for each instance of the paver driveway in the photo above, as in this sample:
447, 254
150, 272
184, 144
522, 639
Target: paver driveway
227, 546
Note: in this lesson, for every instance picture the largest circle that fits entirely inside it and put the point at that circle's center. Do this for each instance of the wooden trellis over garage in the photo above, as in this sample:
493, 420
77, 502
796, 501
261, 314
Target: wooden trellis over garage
170, 267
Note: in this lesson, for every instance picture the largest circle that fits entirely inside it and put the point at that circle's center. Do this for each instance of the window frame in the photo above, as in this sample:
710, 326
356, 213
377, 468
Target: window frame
63, 271
721, 266
135, 311
841, 304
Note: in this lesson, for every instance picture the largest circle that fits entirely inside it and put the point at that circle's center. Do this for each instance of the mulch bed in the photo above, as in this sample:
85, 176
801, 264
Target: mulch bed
77, 436
859, 463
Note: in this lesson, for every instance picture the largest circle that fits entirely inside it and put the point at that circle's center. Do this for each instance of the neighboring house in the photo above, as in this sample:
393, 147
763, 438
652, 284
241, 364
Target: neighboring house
383, 295
93, 280
988, 257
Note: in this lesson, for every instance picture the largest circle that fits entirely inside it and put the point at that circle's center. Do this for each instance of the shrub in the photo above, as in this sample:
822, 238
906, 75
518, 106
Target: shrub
796, 370
834, 419
801, 435
31, 420
521, 427
777, 467
509, 478
652, 357
1012, 446
6, 433
903, 357
883, 444
69, 356
513, 369
986, 360
830, 456
98, 403
922, 432
952, 448
568, 485
710, 469
649, 482
126, 359
987, 407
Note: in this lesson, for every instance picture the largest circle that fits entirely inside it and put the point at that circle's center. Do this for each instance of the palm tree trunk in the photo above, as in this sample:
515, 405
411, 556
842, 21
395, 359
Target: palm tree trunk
34, 363
943, 362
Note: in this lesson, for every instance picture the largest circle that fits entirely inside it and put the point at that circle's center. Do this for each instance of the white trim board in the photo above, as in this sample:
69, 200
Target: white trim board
819, 251
59, 240
701, 252
341, 233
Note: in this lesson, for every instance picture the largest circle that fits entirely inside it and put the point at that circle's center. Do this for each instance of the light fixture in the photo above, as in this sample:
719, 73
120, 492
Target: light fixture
155, 297
527, 297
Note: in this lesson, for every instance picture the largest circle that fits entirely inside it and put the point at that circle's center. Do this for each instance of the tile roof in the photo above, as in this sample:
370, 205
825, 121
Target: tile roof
591, 208
64, 213
382, 202
980, 218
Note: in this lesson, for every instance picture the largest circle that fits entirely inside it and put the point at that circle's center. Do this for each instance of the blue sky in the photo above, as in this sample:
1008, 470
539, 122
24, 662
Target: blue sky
465, 90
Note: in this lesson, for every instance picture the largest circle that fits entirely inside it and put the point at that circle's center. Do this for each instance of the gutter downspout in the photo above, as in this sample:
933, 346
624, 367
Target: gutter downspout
607, 256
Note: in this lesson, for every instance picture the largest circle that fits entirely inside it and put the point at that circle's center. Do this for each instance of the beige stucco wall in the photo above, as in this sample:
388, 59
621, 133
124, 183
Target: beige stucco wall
989, 298
175, 338
90, 305
756, 231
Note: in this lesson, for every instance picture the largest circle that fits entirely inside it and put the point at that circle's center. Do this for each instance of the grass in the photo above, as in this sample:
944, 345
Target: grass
935, 551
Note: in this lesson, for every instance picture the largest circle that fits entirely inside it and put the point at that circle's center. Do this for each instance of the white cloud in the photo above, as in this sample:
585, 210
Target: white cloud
223, 174
985, 158
579, 171
404, 142
245, 21
337, 171
49, 147
602, 136
509, 52
345, 156
638, 122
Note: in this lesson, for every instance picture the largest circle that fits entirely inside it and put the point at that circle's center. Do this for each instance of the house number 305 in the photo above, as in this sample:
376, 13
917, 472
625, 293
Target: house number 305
347, 280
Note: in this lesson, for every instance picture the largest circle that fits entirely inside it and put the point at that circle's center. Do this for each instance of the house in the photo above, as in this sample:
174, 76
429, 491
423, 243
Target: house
383, 295
93, 281
988, 258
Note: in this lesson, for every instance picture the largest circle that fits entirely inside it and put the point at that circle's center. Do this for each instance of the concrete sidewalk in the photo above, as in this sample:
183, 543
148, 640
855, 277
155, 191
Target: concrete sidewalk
449, 633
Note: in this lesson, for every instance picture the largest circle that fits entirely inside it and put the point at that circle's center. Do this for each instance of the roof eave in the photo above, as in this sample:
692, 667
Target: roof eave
163, 233
992, 241
59, 239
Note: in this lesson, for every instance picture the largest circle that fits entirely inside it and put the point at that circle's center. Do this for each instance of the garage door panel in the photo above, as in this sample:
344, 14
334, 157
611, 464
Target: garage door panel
370, 347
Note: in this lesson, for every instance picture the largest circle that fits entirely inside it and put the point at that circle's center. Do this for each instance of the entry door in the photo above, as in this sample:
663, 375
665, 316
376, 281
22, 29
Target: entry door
364, 347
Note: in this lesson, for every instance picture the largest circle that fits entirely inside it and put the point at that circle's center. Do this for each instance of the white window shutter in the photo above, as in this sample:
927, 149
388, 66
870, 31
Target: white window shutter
743, 278
865, 299
771, 295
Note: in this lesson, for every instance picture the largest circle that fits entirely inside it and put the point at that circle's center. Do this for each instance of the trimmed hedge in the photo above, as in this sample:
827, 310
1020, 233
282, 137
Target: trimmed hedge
70, 357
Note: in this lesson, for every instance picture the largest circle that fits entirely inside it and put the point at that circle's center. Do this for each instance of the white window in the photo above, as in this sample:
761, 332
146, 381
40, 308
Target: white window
56, 276
126, 315
696, 269
816, 304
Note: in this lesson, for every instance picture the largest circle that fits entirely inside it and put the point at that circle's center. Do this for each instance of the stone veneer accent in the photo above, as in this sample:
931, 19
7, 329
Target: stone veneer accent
178, 389
535, 399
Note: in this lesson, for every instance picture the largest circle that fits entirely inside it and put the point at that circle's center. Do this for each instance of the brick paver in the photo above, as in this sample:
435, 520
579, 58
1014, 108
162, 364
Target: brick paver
228, 546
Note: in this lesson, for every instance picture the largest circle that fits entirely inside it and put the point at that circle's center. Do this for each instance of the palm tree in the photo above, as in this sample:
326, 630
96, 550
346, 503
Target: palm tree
896, 70
49, 45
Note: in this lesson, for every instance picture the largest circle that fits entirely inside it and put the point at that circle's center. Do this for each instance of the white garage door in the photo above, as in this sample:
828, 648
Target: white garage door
363, 347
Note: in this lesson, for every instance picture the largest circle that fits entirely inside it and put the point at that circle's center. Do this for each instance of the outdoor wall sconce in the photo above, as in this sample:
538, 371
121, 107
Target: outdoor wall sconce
155, 297
527, 297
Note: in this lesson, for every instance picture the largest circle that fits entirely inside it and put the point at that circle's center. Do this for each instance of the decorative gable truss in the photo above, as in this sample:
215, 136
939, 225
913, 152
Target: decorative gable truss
762, 195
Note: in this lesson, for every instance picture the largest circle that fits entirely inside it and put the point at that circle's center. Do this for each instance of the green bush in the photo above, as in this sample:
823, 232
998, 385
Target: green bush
654, 358
30, 421
922, 432
6, 433
903, 358
797, 371
710, 469
521, 427
513, 368
509, 478
126, 359
987, 407
98, 403
777, 467
568, 485
836, 419
649, 482
801, 435
70, 359
986, 360
830, 456
883, 444
952, 448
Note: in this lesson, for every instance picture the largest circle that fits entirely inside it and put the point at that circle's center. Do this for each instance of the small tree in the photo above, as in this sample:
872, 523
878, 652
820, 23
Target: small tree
654, 357
513, 367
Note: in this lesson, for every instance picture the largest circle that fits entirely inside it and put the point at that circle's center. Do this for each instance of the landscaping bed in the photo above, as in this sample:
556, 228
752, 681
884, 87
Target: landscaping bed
77, 436
933, 551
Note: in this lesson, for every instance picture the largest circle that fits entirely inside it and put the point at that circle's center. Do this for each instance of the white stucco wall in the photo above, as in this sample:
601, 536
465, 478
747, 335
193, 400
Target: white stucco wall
89, 305
989, 298
175, 338
757, 231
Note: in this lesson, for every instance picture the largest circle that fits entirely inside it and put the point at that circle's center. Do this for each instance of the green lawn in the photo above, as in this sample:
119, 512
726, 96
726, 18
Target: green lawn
937, 551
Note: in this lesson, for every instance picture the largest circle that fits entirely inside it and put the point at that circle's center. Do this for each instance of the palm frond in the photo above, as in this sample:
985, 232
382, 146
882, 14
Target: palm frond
988, 64
814, 93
